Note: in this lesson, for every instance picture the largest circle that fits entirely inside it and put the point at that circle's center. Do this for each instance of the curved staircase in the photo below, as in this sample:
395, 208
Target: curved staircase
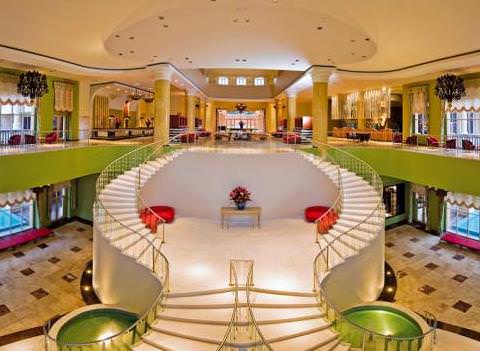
199, 320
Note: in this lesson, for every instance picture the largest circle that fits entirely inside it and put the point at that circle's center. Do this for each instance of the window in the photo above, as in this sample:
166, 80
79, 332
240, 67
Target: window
452, 123
463, 221
259, 81
222, 80
470, 123
16, 218
241, 81
16, 117
57, 208
420, 124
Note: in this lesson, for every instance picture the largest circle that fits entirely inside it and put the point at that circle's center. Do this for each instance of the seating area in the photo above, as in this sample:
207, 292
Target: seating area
24, 237
292, 139
377, 135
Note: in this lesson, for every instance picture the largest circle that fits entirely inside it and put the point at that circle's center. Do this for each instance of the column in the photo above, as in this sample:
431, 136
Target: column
141, 113
361, 122
279, 111
202, 112
210, 116
292, 110
191, 100
320, 77
163, 75
270, 118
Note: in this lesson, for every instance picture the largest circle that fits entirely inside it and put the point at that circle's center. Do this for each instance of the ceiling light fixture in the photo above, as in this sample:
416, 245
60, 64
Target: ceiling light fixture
165, 26
117, 36
161, 18
367, 39
131, 38
319, 28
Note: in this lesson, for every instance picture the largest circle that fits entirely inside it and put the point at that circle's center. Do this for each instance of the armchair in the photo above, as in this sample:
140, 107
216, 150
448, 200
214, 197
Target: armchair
51, 138
467, 145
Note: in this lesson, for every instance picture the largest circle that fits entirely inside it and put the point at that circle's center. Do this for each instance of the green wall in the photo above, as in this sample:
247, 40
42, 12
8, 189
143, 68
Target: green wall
85, 196
27, 170
449, 173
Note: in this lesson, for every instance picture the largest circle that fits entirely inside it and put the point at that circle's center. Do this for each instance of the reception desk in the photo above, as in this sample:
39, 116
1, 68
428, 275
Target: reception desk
121, 133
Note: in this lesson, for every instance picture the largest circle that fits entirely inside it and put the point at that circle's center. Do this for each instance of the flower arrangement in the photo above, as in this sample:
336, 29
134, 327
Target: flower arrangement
240, 196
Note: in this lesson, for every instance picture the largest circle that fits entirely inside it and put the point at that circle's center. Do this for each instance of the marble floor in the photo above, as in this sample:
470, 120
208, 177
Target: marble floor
40, 280
434, 276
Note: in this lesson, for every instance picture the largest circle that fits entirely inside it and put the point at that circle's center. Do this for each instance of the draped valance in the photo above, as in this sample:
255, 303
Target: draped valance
419, 189
8, 91
471, 101
63, 96
419, 100
16, 197
465, 200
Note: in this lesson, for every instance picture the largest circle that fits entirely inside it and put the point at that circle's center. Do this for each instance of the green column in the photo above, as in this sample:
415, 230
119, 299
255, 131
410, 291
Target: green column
406, 117
435, 112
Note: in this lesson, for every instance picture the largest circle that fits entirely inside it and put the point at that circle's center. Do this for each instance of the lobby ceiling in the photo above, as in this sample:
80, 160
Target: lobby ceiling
118, 39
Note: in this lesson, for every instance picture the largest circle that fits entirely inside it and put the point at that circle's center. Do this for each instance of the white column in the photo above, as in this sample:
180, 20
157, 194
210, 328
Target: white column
292, 110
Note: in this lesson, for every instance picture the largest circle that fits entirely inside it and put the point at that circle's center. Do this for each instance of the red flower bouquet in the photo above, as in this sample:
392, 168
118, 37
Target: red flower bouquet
240, 196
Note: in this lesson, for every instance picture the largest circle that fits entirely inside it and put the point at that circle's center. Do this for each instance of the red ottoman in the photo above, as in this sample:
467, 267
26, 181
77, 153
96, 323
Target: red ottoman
314, 212
165, 212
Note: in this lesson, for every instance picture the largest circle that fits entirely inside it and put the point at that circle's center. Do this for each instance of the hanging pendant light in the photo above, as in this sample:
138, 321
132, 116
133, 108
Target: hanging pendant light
135, 96
449, 88
32, 84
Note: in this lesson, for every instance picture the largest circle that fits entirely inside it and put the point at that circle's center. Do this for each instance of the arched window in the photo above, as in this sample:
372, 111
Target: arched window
259, 81
241, 81
222, 80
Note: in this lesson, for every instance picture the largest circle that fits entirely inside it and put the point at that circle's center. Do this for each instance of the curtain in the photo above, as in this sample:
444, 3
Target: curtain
419, 189
419, 99
16, 197
466, 200
336, 115
471, 101
350, 106
377, 104
8, 91
100, 111
63, 96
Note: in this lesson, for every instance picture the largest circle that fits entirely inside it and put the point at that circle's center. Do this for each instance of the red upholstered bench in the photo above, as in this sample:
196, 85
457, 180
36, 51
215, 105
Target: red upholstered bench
313, 213
23, 237
151, 221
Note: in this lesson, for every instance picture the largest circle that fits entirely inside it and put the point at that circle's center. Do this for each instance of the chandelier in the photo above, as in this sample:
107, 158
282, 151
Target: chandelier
148, 99
450, 87
241, 107
32, 84
135, 96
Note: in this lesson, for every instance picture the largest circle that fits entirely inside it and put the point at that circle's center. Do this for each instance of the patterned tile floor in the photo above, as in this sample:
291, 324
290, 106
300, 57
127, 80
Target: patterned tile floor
434, 276
40, 280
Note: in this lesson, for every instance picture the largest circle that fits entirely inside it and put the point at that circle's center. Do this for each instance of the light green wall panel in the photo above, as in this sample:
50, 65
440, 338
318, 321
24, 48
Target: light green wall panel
449, 173
23, 171
85, 196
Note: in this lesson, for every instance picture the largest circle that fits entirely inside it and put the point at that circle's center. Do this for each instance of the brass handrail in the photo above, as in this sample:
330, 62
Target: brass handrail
122, 164
377, 214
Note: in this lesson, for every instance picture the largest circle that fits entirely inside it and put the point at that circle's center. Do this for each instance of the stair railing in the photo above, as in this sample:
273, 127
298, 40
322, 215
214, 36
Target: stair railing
109, 226
228, 341
257, 341
358, 336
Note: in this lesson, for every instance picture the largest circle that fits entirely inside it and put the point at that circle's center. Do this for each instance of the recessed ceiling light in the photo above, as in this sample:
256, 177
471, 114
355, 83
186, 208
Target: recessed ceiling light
244, 60
297, 60
120, 54
131, 38
237, 60
190, 61
187, 58
364, 56
293, 63
154, 56
132, 51
161, 18
367, 39
165, 26
117, 36
319, 28
352, 40
353, 54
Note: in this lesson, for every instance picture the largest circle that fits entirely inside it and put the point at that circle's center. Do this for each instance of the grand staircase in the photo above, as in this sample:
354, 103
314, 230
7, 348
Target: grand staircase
199, 320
